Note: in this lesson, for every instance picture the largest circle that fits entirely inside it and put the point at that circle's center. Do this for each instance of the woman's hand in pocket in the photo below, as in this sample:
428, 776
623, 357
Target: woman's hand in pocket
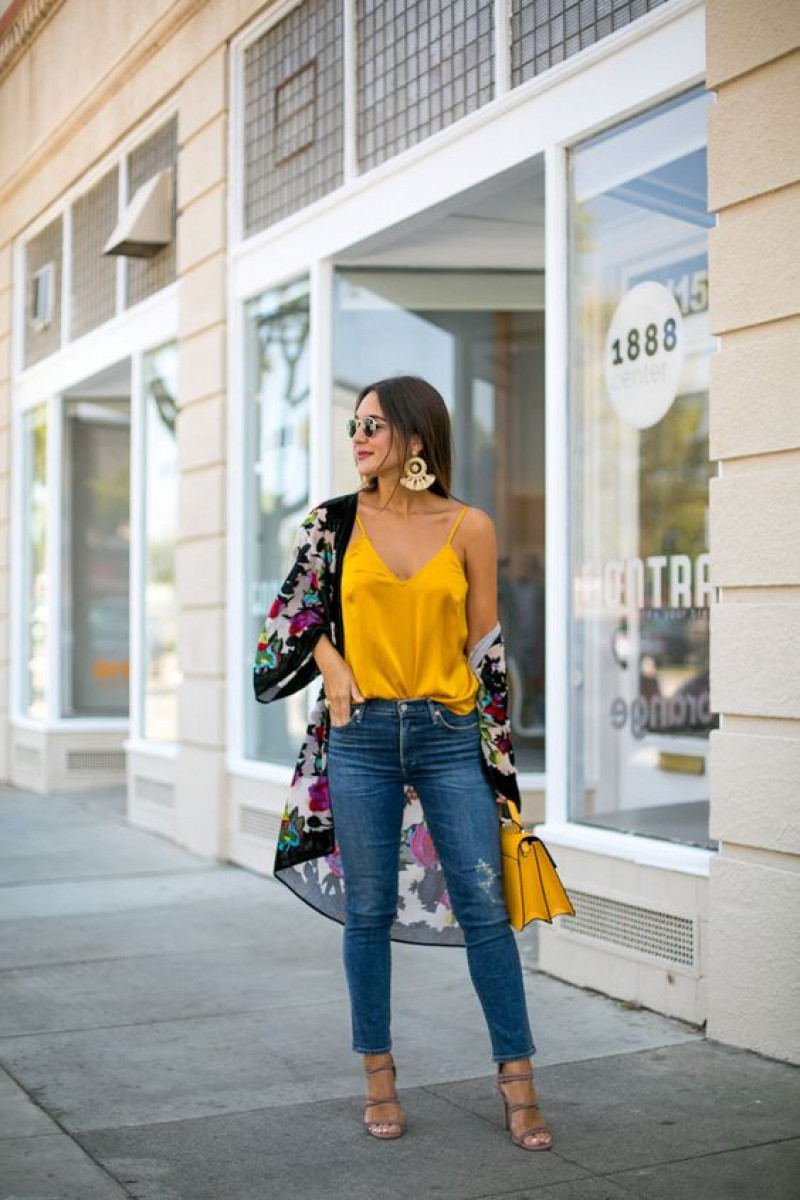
341, 690
340, 685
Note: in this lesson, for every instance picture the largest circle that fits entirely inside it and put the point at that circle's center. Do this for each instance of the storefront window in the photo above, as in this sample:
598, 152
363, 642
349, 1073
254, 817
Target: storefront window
277, 498
33, 698
479, 338
641, 343
159, 717
95, 556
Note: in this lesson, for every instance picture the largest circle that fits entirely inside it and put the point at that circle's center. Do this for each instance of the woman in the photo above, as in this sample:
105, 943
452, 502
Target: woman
392, 825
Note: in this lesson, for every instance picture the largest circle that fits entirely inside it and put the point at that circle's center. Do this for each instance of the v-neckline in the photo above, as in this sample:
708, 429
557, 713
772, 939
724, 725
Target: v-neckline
396, 578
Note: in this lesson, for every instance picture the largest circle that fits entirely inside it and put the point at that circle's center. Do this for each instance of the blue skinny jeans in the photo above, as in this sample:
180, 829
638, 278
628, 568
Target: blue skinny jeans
386, 744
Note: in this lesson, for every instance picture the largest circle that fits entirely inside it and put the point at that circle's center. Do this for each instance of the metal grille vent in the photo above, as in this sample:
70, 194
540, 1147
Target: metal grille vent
29, 758
46, 247
545, 32
95, 760
659, 934
254, 822
294, 113
157, 153
421, 66
155, 791
94, 276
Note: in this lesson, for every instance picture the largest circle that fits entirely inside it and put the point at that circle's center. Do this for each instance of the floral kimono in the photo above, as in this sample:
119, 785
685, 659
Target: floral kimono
307, 858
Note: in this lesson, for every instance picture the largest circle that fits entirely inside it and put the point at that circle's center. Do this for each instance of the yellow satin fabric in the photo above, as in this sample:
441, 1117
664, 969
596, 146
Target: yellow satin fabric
406, 639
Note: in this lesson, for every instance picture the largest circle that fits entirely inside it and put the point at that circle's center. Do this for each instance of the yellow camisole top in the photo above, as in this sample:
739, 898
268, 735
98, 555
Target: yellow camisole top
407, 638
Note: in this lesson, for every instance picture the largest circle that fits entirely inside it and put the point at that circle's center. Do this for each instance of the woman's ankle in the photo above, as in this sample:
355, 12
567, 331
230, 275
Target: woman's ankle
508, 1066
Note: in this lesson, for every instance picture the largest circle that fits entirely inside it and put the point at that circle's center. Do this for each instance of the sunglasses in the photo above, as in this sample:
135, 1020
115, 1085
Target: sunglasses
370, 425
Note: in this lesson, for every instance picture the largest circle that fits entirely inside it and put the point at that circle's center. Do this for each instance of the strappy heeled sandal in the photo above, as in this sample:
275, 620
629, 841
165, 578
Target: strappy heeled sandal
544, 1143
372, 1127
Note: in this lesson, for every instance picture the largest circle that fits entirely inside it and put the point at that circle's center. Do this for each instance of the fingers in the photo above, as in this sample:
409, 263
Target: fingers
340, 703
339, 709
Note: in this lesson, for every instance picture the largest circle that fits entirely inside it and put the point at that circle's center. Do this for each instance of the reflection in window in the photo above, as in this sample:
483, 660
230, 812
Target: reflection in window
159, 718
639, 443
276, 500
479, 338
33, 698
95, 548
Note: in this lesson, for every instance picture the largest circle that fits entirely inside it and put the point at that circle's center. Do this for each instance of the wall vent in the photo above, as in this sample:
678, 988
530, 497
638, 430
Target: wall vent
95, 761
154, 791
659, 934
255, 823
29, 758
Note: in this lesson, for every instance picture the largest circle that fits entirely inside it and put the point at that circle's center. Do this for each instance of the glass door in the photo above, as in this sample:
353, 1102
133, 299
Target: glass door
478, 337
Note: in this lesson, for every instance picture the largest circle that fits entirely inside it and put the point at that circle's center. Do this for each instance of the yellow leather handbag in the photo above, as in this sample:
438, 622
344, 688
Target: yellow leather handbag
532, 888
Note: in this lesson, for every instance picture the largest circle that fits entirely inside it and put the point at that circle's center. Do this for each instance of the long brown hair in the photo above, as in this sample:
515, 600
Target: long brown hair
413, 406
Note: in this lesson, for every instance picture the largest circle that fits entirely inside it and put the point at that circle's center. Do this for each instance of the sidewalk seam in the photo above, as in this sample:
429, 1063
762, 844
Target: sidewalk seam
63, 1130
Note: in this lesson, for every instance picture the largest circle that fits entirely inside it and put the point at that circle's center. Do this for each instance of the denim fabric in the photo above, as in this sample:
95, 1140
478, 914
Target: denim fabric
386, 745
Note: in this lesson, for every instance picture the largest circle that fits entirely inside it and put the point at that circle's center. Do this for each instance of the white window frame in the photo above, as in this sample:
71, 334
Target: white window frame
137, 741
128, 336
657, 57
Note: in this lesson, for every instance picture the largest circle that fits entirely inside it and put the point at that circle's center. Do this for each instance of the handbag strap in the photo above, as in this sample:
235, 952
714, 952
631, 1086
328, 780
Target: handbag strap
512, 811
514, 814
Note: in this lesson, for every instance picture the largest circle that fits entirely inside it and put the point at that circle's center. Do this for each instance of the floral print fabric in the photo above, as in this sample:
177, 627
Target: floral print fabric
307, 859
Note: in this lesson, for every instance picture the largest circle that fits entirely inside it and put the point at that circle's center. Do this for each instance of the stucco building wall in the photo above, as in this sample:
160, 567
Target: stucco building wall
754, 186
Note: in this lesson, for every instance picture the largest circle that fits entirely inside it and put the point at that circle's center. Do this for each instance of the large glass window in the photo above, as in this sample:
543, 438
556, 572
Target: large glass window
159, 716
641, 343
479, 338
276, 499
35, 599
95, 556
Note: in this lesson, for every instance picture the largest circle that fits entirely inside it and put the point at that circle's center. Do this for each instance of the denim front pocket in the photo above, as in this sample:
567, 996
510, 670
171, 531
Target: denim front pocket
356, 714
442, 715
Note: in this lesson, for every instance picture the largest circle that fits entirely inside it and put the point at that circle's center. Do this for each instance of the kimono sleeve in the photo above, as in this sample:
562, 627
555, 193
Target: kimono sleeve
488, 662
284, 662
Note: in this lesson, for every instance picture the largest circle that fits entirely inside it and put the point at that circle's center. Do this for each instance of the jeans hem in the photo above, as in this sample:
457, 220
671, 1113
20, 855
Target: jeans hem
501, 1058
359, 1050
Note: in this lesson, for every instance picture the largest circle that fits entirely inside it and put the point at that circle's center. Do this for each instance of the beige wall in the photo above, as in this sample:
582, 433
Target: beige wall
201, 794
754, 186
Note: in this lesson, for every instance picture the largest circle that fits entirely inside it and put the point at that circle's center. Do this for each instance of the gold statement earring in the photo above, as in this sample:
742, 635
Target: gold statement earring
417, 476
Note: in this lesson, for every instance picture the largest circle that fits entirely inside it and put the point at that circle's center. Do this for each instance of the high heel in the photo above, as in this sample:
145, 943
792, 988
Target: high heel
398, 1123
543, 1142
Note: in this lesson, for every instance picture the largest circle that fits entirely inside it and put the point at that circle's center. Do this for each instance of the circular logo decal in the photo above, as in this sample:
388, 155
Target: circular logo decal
644, 354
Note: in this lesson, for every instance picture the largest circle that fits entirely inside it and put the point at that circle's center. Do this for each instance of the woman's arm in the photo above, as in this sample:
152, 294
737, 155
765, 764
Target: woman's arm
481, 570
338, 680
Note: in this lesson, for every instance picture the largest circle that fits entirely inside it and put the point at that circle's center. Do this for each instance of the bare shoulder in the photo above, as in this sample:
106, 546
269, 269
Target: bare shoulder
478, 527
476, 542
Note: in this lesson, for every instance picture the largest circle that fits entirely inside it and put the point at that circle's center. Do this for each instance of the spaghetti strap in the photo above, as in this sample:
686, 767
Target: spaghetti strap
361, 526
456, 524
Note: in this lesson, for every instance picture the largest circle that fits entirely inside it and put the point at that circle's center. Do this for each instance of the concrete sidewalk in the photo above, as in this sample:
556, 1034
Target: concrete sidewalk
173, 1029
